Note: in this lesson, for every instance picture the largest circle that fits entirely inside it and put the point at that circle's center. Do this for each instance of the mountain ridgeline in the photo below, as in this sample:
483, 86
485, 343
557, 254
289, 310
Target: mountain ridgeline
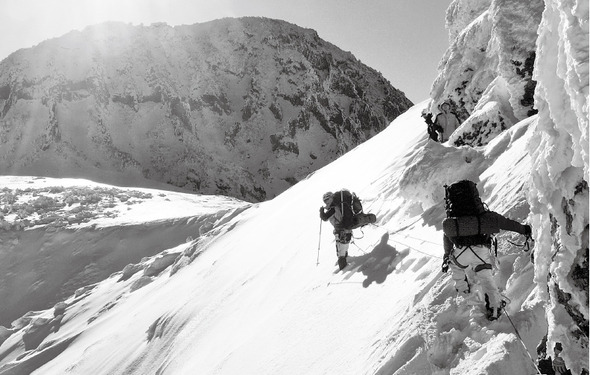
241, 107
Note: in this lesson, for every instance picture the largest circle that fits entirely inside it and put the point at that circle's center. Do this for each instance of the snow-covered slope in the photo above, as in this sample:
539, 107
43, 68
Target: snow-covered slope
241, 107
260, 293
256, 295
58, 235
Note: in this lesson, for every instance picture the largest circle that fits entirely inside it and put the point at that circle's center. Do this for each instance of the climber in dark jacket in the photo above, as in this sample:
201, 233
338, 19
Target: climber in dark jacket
433, 129
468, 263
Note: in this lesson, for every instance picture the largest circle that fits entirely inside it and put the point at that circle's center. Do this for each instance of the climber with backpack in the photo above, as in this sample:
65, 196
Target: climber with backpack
345, 212
434, 131
447, 121
469, 243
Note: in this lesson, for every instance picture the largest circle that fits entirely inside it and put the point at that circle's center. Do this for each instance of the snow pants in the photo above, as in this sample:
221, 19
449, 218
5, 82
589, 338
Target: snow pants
343, 237
471, 266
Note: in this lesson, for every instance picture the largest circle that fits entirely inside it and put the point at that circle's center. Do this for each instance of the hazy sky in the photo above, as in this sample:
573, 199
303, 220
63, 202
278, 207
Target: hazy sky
402, 39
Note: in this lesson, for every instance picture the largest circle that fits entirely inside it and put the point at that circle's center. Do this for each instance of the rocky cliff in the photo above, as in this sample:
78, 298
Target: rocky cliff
241, 107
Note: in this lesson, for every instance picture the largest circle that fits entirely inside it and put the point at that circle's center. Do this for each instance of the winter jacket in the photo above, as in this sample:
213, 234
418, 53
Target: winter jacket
448, 122
325, 215
433, 129
502, 223
330, 214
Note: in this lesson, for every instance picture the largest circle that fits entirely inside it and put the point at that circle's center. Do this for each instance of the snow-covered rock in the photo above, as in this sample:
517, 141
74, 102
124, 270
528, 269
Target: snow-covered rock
559, 181
508, 60
489, 65
240, 107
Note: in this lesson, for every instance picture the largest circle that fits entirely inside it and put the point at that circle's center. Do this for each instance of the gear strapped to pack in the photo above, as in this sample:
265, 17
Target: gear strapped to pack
349, 209
461, 201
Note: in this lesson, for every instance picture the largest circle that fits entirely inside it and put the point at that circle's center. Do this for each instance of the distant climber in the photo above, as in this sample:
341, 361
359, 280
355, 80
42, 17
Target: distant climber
468, 242
558, 362
544, 363
447, 121
434, 130
345, 212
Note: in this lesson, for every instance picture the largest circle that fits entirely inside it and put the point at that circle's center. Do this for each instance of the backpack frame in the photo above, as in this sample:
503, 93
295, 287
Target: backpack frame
462, 199
347, 206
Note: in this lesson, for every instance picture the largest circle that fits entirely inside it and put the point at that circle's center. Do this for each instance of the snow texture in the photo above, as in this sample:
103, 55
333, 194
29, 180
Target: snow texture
258, 291
247, 296
489, 63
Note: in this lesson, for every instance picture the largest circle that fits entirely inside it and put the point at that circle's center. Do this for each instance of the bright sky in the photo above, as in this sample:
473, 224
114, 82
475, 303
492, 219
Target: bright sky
402, 39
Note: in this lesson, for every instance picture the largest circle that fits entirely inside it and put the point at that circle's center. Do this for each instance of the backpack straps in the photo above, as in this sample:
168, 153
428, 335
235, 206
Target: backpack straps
342, 202
478, 224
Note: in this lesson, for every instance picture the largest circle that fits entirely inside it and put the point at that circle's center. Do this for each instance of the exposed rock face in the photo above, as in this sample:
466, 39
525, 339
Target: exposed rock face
241, 107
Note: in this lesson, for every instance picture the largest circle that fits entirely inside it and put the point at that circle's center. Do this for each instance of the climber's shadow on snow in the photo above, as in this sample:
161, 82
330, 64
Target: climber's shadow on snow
379, 263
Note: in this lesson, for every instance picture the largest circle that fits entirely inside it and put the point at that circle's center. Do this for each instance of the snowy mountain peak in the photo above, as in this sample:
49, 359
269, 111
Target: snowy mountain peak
241, 107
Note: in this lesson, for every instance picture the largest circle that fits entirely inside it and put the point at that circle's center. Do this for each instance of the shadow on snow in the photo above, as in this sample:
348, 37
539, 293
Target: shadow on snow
377, 264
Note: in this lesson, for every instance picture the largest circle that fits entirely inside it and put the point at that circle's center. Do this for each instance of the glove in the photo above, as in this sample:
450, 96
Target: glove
528, 230
445, 265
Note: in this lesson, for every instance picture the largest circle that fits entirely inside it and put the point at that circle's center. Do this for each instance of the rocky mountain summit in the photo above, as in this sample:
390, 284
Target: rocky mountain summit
241, 107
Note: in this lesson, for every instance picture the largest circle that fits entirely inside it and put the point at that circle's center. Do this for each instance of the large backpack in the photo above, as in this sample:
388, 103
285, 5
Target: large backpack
462, 199
347, 206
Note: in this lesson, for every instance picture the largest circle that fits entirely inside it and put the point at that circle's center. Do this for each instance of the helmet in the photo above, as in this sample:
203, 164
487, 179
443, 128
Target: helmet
327, 197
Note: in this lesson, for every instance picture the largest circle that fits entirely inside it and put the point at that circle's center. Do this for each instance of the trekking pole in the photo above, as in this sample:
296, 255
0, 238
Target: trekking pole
522, 342
319, 243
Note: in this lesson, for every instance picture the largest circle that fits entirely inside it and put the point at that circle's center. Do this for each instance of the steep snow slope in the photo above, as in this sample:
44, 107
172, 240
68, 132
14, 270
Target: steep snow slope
58, 235
507, 60
249, 297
